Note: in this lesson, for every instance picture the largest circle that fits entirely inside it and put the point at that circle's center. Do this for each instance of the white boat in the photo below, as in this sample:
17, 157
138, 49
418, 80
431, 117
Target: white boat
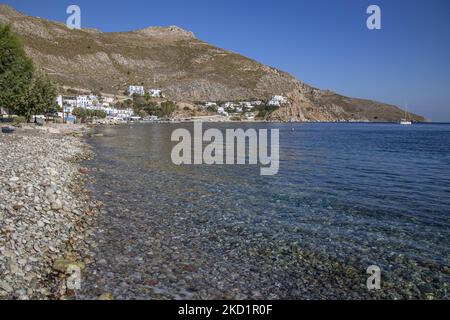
406, 122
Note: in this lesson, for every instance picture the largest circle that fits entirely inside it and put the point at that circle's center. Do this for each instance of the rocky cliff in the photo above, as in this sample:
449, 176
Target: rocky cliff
186, 68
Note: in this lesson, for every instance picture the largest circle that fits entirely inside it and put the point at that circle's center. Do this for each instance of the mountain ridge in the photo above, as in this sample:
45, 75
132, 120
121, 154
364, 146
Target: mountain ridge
184, 67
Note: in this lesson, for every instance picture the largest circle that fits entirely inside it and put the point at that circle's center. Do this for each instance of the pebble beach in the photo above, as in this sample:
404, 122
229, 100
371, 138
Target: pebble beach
46, 215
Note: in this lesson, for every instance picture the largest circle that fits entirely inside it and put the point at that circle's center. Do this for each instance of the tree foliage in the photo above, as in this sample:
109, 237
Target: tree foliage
144, 106
83, 113
24, 90
168, 108
16, 70
39, 97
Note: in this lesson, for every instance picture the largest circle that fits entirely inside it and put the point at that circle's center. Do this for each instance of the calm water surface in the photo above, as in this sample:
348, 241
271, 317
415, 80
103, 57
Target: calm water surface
347, 196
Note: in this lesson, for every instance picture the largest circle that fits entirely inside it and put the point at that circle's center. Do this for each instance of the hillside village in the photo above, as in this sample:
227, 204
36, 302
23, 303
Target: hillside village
107, 109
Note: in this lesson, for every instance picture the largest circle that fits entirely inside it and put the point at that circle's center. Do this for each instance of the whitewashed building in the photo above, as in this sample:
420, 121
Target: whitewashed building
123, 114
107, 101
277, 101
59, 101
70, 101
139, 90
221, 111
155, 93
230, 105
84, 101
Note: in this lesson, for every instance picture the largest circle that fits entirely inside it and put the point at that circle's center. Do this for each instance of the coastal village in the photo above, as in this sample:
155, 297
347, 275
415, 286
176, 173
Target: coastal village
113, 109
79, 107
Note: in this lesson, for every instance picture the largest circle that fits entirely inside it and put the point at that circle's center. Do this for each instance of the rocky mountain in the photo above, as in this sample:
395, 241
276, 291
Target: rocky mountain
185, 68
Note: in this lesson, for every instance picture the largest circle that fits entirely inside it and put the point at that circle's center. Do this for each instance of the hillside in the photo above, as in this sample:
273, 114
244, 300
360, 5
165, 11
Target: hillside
185, 68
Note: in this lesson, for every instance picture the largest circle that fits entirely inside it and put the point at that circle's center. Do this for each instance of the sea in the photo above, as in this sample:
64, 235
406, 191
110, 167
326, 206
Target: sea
347, 196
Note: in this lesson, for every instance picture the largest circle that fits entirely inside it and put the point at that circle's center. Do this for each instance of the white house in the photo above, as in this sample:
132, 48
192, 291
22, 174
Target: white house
229, 105
123, 114
84, 101
277, 101
69, 101
155, 93
107, 101
221, 110
59, 101
139, 90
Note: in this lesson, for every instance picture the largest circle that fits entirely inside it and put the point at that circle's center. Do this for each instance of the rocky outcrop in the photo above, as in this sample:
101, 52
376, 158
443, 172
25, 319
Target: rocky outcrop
185, 68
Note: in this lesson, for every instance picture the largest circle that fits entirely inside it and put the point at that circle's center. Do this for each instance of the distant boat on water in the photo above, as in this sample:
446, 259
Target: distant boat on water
405, 121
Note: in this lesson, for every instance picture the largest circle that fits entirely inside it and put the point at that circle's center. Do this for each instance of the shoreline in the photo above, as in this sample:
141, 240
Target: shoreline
49, 221
46, 212
164, 235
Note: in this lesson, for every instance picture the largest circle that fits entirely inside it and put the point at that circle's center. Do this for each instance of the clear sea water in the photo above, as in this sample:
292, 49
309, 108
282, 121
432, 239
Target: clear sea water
347, 196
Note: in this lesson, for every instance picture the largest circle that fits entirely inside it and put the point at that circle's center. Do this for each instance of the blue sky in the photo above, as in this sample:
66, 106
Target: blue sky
322, 42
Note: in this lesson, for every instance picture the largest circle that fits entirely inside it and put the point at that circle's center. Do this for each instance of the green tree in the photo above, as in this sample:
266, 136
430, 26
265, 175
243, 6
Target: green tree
16, 70
80, 113
139, 103
214, 109
168, 108
99, 114
40, 97
152, 108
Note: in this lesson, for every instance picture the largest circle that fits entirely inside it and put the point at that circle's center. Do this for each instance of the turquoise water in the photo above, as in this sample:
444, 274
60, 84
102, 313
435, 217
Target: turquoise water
347, 196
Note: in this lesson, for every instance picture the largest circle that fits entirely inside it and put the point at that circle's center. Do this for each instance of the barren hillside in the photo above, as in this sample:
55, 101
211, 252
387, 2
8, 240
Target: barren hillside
186, 68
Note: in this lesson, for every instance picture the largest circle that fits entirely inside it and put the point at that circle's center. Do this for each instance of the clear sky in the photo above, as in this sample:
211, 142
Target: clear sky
323, 42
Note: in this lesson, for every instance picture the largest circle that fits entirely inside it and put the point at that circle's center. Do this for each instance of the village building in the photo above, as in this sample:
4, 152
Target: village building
124, 114
107, 101
277, 101
59, 101
139, 90
84, 101
229, 105
221, 111
155, 93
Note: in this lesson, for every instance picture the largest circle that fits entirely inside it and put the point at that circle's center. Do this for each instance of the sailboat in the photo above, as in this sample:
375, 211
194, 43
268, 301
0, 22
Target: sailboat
405, 121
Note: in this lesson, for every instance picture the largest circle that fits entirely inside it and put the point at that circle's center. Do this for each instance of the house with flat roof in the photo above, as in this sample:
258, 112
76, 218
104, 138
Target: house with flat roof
277, 101
155, 93
139, 90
